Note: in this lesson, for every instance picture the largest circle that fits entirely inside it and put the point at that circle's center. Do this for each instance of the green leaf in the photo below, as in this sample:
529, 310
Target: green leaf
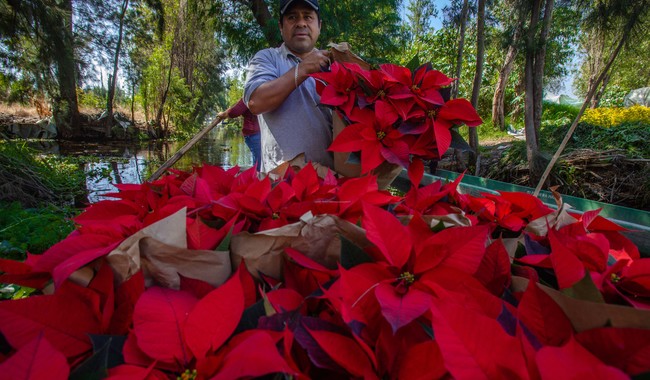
225, 243
115, 343
351, 254
250, 317
414, 63
585, 289
457, 141
107, 349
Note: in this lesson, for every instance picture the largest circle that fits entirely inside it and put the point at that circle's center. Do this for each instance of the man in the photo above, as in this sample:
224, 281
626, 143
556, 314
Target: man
250, 128
279, 90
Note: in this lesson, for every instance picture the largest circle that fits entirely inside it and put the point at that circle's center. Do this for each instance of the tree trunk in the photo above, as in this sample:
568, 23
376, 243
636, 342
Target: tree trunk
498, 101
65, 109
461, 45
540, 59
478, 78
595, 101
133, 103
532, 146
113, 81
265, 21
163, 98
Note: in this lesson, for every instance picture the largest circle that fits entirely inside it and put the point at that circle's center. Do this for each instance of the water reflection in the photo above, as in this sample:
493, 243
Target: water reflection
121, 162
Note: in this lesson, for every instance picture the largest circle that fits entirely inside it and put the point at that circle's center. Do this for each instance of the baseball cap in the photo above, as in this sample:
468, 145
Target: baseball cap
285, 4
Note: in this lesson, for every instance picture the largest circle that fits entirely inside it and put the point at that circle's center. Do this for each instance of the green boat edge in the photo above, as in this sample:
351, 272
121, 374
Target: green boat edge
637, 222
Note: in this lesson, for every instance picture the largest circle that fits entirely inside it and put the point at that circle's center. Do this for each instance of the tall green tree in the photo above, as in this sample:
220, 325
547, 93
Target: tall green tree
47, 24
478, 76
182, 69
416, 29
515, 12
614, 29
631, 17
536, 40
462, 26
371, 28
120, 15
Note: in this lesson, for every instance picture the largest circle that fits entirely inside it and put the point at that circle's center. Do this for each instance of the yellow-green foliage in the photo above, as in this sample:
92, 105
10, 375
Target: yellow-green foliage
612, 116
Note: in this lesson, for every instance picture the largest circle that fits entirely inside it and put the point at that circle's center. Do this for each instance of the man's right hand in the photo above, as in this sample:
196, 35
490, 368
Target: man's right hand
316, 61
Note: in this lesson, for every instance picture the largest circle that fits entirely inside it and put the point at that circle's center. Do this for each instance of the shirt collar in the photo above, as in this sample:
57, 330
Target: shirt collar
284, 50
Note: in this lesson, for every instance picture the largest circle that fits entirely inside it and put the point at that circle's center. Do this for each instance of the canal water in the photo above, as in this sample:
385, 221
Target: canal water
107, 164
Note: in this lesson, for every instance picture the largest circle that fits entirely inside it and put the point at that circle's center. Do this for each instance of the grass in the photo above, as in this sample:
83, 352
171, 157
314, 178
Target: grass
36, 205
32, 230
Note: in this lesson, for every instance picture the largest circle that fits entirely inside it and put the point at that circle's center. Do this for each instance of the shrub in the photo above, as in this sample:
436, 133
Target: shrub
33, 179
613, 116
31, 230
558, 114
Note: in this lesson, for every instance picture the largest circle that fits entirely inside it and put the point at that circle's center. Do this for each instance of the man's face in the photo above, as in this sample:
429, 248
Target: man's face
300, 28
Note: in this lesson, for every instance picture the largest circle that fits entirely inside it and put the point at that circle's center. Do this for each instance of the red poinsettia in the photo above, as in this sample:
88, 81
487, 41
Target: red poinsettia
374, 135
411, 119
430, 292
408, 255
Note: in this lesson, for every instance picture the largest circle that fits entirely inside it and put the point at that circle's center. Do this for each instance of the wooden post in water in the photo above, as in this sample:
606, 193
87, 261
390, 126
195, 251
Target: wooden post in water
172, 160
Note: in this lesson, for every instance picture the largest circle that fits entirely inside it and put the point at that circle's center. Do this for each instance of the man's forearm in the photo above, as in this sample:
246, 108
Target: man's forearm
270, 95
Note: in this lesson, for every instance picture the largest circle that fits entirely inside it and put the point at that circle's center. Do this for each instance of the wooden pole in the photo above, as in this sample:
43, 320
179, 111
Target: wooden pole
172, 160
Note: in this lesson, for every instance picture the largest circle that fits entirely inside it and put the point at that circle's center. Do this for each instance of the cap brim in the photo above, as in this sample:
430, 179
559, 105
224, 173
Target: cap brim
288, 4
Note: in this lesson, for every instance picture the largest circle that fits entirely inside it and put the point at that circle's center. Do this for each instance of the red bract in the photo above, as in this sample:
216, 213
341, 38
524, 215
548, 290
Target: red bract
376, 139
418, 296
423, 84
453, 112
475, 346
408, 255
341, 88
346, 352
36, 360
635, 278
25, 319
351, 194
510, 210
253, 354
411, 119
572, 361
378, 87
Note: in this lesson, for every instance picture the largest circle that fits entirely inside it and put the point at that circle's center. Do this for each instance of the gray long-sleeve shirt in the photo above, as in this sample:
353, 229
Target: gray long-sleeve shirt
300, 125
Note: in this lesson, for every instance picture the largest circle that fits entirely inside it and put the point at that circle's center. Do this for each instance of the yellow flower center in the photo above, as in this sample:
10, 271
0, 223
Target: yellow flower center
381, 94
276, 215
407, 277
404, 281
381, 135
188, 375
615, 278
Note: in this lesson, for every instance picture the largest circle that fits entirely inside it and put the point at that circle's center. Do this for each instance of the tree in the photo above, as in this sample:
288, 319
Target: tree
112, 82
48, 25
478, 77
631, 15
606, 28
371, 28
179, 64
420, 13
462, 24
534, 77
516, 11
